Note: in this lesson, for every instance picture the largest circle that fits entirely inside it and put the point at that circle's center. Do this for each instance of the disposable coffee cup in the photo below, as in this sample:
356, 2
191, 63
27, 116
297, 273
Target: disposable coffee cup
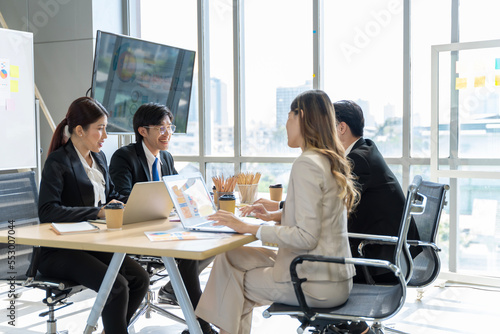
227, 202
276, 192
114, 216
216, 197
219, 195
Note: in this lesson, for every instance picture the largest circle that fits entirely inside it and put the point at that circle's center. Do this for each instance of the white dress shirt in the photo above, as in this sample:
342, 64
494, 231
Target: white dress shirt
151, 160
96, 178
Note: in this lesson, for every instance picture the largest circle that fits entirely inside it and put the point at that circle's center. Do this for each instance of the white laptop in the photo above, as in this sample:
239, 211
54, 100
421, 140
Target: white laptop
193, 202
147, 201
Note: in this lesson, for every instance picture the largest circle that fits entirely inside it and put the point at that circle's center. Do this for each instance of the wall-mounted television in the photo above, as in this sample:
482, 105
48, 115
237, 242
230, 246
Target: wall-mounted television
129, 72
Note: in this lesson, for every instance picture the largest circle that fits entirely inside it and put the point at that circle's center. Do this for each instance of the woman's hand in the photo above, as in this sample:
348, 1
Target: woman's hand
229, 219
268, 204
260, 211
102, 214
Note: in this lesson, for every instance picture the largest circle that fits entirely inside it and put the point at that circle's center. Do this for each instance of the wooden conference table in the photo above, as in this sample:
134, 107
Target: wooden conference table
131, 239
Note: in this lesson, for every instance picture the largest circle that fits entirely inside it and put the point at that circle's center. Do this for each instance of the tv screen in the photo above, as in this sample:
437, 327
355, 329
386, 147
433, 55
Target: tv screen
129, 72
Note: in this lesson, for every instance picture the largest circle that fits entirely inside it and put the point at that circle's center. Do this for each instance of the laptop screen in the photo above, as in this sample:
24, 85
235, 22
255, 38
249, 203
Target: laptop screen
190, 197
147, 201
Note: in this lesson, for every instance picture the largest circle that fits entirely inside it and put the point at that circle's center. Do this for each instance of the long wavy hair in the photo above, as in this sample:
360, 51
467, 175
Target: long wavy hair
318, 127
83, 111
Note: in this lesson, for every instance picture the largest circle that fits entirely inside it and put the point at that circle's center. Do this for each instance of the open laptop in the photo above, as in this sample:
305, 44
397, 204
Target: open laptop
147, 201
193, 202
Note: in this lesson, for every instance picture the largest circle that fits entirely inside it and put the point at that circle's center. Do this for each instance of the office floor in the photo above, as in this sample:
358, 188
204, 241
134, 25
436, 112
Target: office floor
444, 309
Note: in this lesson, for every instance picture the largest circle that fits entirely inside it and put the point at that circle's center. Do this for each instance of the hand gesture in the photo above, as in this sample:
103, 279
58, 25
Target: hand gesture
226, 218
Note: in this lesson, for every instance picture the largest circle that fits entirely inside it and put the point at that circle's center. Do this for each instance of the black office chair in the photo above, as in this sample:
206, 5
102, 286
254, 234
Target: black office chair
366, 302
427, 265
156, 270
19, 207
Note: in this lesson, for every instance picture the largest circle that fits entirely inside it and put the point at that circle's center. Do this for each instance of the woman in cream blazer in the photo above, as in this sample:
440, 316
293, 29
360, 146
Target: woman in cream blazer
313, 221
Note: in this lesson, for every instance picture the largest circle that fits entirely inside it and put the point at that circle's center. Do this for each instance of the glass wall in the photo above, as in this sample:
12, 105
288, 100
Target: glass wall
249, 84
364, 63
174, 23
219, 101
428, 27
277, 51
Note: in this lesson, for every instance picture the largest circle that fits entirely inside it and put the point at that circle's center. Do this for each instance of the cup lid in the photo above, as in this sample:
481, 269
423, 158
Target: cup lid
227, 197
277, 185
114, 206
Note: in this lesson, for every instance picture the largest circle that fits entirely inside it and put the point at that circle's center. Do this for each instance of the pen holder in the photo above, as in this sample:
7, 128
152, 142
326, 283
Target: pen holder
248, 193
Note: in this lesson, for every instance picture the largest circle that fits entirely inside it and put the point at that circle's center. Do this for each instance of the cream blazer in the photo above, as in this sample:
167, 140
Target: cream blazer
314, 221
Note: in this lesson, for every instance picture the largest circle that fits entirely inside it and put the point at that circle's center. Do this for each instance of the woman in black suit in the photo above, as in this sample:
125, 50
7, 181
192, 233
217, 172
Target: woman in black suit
75, 186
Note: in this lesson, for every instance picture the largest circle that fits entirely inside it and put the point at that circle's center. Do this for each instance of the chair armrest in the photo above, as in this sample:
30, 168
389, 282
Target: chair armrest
417, 243
374, 237
297, 282
31, 282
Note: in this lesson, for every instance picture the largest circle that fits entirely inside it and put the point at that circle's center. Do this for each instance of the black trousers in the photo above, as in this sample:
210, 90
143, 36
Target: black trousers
88, 269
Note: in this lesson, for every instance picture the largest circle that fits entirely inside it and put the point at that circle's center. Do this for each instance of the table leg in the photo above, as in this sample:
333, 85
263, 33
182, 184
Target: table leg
104, 290
182, 296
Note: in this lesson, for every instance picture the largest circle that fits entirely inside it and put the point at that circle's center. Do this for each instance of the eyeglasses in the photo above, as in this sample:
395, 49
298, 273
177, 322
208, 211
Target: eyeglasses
162, 129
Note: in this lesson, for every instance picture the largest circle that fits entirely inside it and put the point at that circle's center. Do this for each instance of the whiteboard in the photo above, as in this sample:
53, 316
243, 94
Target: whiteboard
17, 100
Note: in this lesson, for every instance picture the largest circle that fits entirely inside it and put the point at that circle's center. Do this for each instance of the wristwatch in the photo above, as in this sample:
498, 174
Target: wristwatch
281, 204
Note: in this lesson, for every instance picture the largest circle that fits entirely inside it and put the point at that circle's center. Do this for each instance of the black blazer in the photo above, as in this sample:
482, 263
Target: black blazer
381, 206
129, 165
66, 194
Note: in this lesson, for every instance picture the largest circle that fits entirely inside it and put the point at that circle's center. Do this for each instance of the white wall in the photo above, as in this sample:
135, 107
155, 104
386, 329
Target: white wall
64, 36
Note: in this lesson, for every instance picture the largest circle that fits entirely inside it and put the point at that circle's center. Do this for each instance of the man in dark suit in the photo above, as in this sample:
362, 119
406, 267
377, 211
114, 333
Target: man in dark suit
148, 160
381, 205
134, 163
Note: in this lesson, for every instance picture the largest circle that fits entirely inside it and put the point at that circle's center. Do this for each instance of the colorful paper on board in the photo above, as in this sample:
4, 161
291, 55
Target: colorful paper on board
14, 86
497, 80
497, 63
460, 83
10, 105
14, 71
479, 81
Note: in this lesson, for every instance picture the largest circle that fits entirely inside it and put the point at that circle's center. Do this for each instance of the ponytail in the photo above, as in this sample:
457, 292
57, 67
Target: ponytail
83, 111
58, 138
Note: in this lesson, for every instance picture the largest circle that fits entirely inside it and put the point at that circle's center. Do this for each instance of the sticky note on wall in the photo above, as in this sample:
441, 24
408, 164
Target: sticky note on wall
14, 86
14, 71
460, 83
497, 63
479, 81
497, 80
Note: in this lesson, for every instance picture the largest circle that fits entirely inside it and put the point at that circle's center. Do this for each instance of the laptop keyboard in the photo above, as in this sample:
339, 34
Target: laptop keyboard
210, 223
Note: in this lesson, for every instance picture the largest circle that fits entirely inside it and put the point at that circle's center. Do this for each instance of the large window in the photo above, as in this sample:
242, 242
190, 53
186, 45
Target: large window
428, 27
277, 65
255, 56
174, 23
364, 62
219, 128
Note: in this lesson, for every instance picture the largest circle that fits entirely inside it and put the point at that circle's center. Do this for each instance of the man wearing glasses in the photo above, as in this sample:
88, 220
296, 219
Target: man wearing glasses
148, 160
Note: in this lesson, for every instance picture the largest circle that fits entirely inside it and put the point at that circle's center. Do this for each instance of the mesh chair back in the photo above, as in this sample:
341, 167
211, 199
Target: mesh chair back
402, 256
18, 203
426, 265
428, 222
